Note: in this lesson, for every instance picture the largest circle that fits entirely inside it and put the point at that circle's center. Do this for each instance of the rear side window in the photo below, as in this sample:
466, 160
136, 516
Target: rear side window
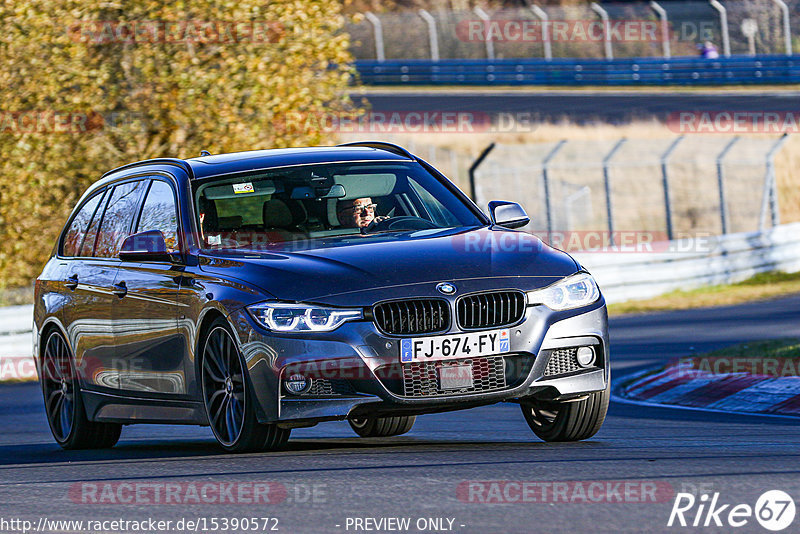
91, 234
80, 224
118, 218
160, 213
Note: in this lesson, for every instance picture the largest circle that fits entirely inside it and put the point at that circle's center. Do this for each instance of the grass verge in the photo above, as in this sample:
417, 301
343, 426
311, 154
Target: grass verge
760, 287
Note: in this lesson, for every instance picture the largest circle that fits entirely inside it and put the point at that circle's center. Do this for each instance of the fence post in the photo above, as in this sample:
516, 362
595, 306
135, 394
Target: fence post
546, 41
489, 43
662, 14
607, 185
723, 23
377, 27
606, 29
433, 36
723, 204
665, 184
787, 30
770, 195
474, 167
548, 204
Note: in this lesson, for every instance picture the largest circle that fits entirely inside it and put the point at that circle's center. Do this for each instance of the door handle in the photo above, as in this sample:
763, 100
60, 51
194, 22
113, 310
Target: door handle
120, 289
72, 282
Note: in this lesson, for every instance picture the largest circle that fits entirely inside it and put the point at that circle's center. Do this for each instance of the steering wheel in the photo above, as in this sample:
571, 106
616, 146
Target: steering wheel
406, 222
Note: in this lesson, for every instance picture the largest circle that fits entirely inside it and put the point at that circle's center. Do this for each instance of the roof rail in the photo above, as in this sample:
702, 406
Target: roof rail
155, 161
382, 145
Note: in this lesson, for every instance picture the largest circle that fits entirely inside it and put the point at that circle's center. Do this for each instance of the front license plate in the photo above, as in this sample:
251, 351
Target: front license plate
455, 376
454, 346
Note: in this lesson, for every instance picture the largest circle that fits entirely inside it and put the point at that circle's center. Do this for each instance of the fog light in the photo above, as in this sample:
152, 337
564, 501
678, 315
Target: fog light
585, 356
297, 384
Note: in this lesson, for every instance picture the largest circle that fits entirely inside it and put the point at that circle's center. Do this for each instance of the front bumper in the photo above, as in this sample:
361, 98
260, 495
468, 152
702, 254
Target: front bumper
360, 371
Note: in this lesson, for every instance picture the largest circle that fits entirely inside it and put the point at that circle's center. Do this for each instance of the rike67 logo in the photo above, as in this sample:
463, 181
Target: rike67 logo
774, 510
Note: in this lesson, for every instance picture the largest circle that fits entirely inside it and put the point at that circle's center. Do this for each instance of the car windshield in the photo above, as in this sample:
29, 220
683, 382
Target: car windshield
317, 203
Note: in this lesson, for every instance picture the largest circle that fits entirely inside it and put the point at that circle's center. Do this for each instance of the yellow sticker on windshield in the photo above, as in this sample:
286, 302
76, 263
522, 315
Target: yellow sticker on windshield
246, 187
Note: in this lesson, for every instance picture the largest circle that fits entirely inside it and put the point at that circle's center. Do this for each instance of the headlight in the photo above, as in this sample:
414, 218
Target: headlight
281, 317
572, 292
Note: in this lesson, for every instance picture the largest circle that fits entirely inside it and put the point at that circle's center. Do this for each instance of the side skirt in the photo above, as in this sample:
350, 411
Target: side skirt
110, 408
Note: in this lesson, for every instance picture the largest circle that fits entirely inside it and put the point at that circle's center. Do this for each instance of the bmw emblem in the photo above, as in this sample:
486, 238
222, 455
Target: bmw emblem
446, 288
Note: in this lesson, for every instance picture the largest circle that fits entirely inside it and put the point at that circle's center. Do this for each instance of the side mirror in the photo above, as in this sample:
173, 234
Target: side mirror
507, 214
145, 246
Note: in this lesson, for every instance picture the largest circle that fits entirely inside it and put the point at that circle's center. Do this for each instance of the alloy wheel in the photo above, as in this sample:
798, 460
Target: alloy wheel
59, 387
544, 415
223, 386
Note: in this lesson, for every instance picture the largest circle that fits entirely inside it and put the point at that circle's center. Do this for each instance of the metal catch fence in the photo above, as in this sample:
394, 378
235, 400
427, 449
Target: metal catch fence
590, 30
685, 186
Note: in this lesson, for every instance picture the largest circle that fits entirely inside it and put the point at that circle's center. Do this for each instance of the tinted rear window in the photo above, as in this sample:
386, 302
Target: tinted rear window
87, 249
118, 218
160, 213
77, 229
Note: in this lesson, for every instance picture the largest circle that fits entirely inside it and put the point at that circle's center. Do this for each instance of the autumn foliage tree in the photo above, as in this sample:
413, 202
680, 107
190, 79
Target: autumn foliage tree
85, 87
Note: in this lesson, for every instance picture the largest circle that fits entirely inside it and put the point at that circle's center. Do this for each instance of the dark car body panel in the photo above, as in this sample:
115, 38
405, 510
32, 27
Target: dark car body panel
396, 259
137, 354
222, 164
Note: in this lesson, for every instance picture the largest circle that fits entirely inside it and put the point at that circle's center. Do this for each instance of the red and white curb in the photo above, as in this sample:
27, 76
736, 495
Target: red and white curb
685, 385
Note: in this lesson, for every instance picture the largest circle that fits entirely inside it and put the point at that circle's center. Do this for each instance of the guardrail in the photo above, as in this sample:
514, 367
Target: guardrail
15, 343
621, 275
693, 263
735, 70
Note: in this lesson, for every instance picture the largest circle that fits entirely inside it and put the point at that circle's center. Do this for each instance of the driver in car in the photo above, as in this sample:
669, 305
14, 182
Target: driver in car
357, 213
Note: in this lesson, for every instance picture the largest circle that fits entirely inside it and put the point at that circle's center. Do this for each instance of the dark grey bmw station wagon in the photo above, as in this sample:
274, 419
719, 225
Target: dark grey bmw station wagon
262, 291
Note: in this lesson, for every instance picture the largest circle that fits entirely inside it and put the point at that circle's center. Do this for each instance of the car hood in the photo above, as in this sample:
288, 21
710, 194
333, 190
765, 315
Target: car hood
330, 270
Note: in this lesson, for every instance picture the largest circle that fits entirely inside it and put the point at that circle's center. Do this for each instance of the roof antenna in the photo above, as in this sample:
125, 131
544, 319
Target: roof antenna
205, 153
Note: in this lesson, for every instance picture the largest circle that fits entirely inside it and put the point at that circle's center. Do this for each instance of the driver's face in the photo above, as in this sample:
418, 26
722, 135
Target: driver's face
358, 213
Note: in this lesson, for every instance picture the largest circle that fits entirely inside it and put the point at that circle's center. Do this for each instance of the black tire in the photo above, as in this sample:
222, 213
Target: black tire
228, 399
381, 427
63, 403
567, 421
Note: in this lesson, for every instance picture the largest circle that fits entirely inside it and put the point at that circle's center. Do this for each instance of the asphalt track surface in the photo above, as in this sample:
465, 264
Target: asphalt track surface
417, 475
585, 106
